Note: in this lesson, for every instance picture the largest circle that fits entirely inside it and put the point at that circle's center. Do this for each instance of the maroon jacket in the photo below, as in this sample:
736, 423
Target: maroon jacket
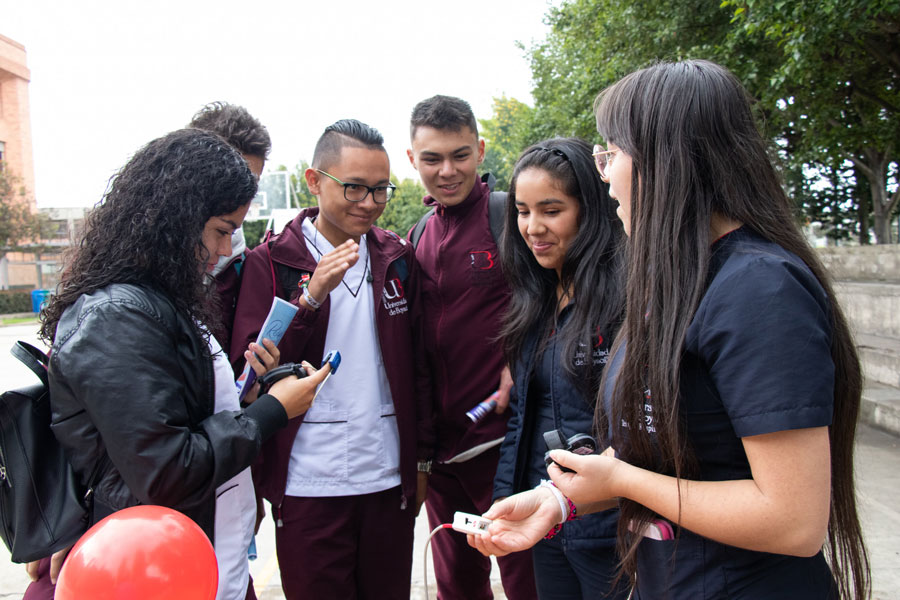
465, 296
393, 266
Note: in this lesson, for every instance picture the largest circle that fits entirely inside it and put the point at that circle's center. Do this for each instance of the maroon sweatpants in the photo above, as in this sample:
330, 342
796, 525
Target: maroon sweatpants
462, 572
348, 547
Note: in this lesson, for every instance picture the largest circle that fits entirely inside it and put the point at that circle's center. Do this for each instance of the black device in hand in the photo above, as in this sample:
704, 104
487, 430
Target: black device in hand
580, 443
278, 373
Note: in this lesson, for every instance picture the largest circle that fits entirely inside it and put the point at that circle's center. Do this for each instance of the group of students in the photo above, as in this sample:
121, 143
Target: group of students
655, 294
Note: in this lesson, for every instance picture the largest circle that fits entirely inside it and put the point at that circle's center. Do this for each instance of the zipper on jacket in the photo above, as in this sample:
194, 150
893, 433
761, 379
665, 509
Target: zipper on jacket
4, 509
3, 477
277, 511
402, 501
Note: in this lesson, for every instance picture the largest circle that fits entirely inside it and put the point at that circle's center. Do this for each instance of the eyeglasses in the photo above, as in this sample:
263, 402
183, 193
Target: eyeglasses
357, 192
603, 158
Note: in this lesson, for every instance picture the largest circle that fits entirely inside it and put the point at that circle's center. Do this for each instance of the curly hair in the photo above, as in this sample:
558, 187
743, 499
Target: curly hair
147, 229
236, 126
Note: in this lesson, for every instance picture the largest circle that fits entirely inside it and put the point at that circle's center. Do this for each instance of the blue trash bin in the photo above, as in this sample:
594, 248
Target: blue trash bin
38, 298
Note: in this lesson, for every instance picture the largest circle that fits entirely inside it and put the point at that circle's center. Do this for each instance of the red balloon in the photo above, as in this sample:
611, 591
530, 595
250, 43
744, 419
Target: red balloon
141, 553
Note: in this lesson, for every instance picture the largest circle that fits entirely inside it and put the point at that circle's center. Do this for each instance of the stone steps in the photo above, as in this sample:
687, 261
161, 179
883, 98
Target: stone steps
880, 407
871, 308
880, 358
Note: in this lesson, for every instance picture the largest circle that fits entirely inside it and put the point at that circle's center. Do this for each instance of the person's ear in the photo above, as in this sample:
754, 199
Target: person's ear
412, 158
312, 181
480, 151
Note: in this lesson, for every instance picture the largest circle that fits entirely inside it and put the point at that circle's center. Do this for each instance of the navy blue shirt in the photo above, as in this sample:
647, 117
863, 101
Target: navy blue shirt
545, 398
757, 359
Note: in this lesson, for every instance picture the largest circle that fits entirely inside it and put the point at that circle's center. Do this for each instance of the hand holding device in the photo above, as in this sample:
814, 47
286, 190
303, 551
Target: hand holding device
278, 373
580, 443
333, 359
296, 394
468, 523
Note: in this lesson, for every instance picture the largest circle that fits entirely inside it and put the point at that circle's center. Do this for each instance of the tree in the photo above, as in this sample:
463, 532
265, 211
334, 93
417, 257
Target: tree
17, 223
506, 134
824, 73
405, 208
836, 92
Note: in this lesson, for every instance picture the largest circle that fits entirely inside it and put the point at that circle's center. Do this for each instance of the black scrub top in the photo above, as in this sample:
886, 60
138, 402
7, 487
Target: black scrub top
757, 359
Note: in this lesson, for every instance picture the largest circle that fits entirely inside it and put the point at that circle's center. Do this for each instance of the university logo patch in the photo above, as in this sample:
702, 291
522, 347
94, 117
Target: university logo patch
481, 260
394, 297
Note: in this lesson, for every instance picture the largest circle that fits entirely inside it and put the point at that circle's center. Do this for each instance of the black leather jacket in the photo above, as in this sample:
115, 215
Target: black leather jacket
132, 394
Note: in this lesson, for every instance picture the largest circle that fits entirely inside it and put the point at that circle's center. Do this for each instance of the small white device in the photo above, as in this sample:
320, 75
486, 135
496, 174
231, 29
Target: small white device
466, 523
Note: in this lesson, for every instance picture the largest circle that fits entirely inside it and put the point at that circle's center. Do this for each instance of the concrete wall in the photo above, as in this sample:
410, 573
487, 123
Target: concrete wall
863, 263
872, 308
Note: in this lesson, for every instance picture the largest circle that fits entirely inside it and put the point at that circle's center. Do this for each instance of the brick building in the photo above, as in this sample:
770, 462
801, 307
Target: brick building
33, 265
15, 119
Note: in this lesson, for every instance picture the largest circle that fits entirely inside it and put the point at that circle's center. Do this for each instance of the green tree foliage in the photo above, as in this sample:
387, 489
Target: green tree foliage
826, 74
405, 208
17, 223
835, 93
506, 134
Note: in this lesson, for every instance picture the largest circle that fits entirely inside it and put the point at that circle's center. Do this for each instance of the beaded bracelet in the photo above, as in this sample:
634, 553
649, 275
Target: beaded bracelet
566, 507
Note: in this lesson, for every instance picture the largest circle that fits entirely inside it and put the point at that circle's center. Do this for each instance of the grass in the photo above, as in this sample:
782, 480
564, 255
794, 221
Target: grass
18, 320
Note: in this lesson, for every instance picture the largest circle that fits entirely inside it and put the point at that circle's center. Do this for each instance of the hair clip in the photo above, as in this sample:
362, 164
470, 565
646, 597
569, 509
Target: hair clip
555, 151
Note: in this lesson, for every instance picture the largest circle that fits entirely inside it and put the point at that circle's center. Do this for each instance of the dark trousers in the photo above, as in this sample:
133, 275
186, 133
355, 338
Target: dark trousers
347, 547
462, 572
566, 574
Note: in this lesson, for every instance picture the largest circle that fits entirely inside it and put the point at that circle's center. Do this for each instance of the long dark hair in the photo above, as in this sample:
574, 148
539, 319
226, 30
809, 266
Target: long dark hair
592, 268
147, 229
696, 151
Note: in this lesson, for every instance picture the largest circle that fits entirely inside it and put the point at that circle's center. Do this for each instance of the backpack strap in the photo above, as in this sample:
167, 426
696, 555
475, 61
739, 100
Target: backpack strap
420, 228
496, 208
497, 215
32, 358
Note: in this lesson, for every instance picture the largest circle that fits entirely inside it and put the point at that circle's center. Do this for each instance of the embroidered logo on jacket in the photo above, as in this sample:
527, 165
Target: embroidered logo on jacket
482, 260
394, 297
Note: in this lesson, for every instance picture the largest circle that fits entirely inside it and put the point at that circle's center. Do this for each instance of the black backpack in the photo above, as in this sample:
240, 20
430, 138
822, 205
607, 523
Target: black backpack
43, 506
496, 214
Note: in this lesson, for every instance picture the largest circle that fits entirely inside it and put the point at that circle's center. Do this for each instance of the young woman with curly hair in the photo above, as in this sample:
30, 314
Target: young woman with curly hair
143, 398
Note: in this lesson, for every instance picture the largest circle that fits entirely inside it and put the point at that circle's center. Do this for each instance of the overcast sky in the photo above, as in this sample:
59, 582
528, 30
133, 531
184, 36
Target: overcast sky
108, 76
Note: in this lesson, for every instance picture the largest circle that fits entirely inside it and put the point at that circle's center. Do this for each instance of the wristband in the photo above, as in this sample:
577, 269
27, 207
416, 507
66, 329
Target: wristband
563, 507
315, 304
566, 507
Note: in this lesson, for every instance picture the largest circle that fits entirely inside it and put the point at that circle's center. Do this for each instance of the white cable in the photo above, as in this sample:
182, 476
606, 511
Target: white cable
425, 557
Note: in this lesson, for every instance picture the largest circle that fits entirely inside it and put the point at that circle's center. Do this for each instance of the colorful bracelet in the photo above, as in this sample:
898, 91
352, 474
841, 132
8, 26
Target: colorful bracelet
566, 507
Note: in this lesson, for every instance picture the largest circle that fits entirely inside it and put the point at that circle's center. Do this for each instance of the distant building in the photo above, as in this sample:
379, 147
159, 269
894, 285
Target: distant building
33, 265
15, 118
37, 266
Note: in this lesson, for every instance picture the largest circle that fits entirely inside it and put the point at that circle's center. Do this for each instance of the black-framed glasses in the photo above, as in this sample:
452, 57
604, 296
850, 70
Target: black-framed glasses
603, 158
357, 192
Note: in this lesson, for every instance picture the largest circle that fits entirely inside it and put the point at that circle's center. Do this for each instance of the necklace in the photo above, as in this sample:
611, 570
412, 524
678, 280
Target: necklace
365, 276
